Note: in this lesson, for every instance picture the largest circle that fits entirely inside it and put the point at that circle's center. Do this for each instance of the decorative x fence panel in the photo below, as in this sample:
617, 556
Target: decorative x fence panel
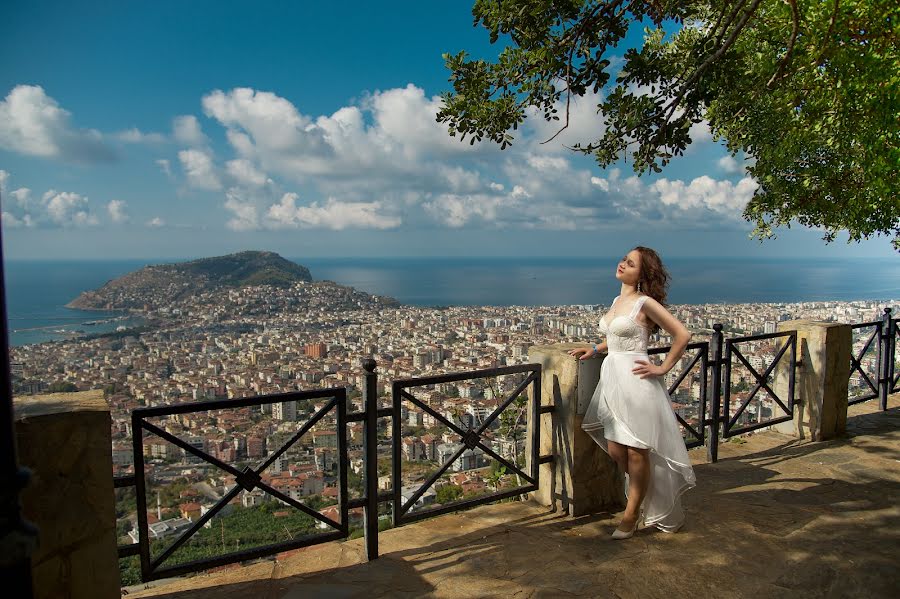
408, 504
732, 418
249, 487
869, 387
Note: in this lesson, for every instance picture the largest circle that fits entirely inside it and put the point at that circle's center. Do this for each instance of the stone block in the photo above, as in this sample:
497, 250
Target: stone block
64, 439
582, 478
821, 382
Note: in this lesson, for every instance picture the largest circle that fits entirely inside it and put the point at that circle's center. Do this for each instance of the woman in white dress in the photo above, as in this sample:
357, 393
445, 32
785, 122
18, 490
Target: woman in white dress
629, 415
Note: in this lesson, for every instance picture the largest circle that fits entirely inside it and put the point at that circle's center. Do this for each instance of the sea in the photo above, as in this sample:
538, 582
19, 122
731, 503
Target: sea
37, 291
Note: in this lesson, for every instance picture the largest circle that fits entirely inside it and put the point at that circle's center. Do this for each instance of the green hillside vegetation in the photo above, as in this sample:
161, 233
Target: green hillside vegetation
245, 268
162, 284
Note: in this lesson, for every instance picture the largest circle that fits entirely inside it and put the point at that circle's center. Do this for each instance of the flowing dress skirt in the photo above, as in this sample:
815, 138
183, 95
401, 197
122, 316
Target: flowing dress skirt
636, 412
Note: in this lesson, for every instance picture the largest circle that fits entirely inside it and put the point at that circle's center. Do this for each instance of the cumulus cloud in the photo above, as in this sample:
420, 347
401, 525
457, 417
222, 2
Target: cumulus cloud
21, 196
156, 222
456, 210
333, 214
244, 214
389, 135
700, 133
199, 169
730, 165
186, 129
722, 197
12, 222
368, 163
116, 211
243, 172
68, 209
33, 123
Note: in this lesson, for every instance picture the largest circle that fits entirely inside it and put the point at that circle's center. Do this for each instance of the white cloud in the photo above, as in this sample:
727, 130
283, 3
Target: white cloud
32, 123
186, 130
334, 214
455, 210
722, 197
4, 177
164, 166
245, 173
21, 196
68, 209
729, 165
384, 161
10, 221
244, 213
116, 210
700, 132
601, 183
136, 136
156, 223
199, 168
519, 192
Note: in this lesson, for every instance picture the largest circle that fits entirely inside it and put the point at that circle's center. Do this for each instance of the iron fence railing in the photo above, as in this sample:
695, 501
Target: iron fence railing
697, 429
893, 371
731, 418
857, 359
246, 479
471, 438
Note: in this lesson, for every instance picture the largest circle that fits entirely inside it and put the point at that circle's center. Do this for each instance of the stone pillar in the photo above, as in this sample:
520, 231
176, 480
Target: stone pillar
582, 478
64, 439
821, 382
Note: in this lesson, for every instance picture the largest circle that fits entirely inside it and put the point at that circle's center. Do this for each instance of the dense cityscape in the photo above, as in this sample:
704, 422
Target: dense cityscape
263, 340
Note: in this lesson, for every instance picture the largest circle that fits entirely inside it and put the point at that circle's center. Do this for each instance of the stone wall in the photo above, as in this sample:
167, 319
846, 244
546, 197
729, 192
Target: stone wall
821, 381
582, 478
64, 439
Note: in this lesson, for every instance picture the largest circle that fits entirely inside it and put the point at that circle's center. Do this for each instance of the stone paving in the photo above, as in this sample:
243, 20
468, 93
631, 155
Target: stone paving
774, 517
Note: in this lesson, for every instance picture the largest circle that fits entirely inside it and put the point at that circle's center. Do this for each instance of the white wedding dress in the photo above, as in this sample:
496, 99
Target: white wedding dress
633, 411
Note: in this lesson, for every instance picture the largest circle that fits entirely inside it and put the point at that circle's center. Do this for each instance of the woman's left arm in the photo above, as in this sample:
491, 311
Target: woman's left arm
680, 335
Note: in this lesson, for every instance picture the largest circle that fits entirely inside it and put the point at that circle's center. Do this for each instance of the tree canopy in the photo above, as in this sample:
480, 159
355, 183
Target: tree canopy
808, 90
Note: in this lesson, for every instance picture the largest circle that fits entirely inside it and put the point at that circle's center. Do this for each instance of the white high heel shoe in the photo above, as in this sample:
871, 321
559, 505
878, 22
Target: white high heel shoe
627, 534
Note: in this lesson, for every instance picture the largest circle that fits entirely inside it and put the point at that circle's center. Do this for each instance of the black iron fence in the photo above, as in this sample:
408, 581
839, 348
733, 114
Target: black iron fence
710, 367
472, 438
245, 480
727, 414
694, 425
250, 478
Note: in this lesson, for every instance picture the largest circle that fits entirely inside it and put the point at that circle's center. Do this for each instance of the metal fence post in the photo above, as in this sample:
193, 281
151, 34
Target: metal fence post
886, 345
712, 445
370, 393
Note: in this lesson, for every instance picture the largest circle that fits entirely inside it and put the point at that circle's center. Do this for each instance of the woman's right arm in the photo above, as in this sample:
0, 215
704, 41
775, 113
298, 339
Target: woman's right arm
584, 354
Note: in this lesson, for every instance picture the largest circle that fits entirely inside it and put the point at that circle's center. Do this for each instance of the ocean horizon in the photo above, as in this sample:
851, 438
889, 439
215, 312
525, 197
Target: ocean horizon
37, 291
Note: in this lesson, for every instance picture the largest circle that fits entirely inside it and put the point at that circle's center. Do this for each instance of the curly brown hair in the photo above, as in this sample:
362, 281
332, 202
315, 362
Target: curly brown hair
654, 279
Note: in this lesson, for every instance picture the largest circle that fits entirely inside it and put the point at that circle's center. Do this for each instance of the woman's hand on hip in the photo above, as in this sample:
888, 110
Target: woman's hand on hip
646, 369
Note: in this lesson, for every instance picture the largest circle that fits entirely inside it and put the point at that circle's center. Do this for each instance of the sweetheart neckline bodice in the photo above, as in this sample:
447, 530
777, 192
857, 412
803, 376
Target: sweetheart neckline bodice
603, 318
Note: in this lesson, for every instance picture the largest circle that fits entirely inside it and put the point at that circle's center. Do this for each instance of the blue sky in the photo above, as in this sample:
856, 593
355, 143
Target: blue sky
187, 129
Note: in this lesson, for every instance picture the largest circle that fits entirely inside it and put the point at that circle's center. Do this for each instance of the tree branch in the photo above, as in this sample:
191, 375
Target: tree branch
580, 29
825, 40
795, 28
712, 58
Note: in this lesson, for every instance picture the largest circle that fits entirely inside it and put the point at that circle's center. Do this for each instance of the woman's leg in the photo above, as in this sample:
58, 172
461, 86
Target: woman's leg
638, 481
619, 454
